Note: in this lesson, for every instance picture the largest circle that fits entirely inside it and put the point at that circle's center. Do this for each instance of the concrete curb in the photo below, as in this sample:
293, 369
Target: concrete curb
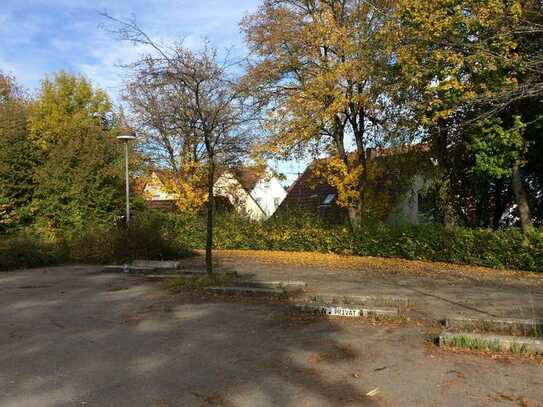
157, 277
510, 326
157, 264
372, 300
286, 285
350, 312
246, 290
129, 269
515, 344
145, 267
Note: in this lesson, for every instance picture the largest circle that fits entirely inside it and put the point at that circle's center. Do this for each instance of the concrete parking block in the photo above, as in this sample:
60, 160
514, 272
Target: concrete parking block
349, 311
498, 343
373, 300
512, 326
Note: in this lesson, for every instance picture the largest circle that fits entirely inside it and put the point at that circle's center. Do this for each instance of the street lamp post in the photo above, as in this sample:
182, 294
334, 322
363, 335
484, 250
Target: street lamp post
126, 137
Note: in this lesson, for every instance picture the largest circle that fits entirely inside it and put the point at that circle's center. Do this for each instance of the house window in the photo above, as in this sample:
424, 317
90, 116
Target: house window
328, 199
425, 204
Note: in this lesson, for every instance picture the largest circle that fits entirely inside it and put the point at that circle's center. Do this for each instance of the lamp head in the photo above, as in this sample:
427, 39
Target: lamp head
126, 136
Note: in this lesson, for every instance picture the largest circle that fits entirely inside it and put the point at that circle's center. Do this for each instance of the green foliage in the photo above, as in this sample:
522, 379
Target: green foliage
507, 248
497, 148
25, 251
17, 158
77, 177
149, 237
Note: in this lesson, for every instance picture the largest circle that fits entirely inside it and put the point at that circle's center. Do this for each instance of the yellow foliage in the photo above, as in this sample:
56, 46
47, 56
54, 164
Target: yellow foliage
187, 186
344, 178
454, 52
378, 194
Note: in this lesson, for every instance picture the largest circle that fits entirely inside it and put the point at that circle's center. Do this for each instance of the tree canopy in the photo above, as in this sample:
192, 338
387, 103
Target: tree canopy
77, 177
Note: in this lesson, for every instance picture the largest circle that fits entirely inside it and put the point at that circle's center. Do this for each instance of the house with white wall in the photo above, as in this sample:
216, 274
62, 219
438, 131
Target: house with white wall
251, 191
313, 193
269, 194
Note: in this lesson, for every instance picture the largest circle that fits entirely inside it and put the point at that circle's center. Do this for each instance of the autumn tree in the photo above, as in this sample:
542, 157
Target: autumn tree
207, 108
72, 126
471, 69
154, 105
322, 69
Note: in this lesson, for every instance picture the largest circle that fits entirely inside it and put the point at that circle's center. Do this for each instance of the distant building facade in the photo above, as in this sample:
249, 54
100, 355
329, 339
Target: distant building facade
312, 193
250, 191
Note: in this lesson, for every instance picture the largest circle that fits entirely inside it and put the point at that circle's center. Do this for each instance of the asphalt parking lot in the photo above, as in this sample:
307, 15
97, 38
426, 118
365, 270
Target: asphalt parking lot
74, 336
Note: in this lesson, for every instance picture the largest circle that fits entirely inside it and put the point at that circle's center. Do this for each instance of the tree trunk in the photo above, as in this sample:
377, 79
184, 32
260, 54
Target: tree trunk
355, 217
498, 205
522, 200
210, 207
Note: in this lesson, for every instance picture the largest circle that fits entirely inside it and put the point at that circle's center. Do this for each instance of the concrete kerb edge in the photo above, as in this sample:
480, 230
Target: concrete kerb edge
515, 344
335, 310
366, 300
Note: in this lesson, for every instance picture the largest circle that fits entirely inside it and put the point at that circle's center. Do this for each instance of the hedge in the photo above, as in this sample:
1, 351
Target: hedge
158, 236
507, 248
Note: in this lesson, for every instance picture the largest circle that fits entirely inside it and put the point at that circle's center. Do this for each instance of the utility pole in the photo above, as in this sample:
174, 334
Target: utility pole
126, 137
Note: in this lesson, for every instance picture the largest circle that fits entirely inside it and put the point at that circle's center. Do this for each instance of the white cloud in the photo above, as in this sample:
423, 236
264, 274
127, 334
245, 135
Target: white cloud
44, 36
25, 75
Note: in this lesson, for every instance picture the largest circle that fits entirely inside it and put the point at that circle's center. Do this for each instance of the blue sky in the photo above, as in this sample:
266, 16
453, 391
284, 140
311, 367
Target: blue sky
39, 37
43, 36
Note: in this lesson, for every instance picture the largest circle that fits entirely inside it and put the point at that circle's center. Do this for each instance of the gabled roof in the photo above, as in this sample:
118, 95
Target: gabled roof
309, 191
249, 176
312, 192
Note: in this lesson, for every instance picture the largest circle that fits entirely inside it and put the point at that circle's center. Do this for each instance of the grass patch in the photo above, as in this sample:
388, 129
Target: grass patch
468, 342
482, 345
179, 283
519, 349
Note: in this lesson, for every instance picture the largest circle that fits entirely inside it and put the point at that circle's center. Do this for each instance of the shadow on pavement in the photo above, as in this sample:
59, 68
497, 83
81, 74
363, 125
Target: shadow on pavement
77, 337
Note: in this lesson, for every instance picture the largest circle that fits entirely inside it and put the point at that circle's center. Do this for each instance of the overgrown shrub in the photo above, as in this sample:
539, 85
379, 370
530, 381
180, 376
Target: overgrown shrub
150, 236
26, 251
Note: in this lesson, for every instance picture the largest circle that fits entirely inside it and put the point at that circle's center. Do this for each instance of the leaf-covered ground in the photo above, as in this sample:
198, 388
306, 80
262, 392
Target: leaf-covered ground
376, 264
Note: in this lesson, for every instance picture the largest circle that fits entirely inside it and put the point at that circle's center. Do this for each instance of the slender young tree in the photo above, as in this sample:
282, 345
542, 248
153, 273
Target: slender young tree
173, 152
210, 109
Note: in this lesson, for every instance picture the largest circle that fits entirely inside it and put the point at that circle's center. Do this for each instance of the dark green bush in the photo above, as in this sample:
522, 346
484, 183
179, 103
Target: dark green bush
158, 236
150, 236
26, 251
